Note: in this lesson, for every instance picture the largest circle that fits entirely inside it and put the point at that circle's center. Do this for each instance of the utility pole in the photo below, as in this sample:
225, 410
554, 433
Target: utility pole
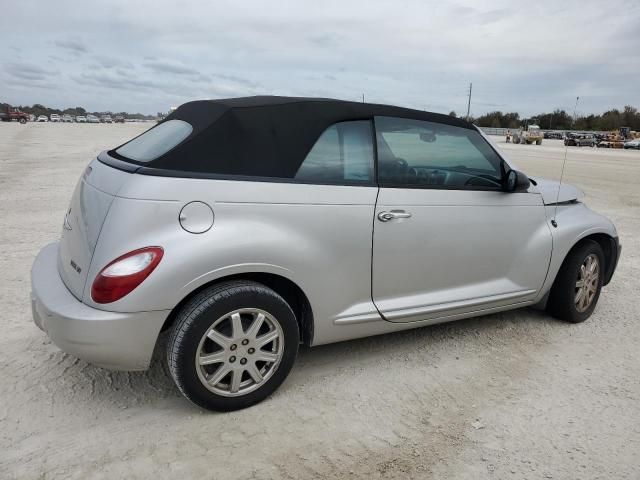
363, 98
469, 104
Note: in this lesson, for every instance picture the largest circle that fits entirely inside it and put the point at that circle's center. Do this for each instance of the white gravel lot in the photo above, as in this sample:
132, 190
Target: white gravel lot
512, 395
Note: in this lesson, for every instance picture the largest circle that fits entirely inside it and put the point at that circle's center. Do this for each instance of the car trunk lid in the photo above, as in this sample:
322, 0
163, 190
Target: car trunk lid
83, 221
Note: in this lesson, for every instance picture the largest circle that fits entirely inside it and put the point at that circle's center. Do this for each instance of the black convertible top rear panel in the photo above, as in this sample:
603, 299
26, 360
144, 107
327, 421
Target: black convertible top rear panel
265, 136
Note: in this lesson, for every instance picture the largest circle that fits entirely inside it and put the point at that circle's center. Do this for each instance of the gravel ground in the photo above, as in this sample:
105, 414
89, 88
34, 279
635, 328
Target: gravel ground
512, 395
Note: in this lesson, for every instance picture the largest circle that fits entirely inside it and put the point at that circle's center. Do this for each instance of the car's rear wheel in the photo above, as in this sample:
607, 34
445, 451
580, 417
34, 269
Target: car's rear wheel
576, 290
232, 345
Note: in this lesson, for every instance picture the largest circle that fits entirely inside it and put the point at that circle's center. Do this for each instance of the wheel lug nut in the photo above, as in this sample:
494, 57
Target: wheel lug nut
232, 359
243, 361
233, 347
245, 341
251, 350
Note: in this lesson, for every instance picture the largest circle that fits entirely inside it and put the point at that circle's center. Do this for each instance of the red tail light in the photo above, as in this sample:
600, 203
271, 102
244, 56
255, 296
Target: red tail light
124, 274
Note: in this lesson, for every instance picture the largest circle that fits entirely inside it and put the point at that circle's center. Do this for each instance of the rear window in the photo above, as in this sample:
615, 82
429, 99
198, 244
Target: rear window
156, 142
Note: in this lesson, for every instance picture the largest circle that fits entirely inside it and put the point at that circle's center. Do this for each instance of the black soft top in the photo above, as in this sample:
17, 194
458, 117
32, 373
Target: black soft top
263, 136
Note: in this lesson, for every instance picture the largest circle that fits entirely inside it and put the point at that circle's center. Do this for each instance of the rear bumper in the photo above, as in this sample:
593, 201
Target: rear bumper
118, 341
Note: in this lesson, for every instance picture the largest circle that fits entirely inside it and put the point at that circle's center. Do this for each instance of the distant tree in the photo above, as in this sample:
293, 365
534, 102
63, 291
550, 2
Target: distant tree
631, 118
557, 120
453, 114
499, 120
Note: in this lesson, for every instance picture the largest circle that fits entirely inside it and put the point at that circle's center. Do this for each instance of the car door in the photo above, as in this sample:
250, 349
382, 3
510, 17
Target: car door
447, 239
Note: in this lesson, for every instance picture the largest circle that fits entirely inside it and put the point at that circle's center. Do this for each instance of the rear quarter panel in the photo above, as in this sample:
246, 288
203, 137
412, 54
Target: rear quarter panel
317, 236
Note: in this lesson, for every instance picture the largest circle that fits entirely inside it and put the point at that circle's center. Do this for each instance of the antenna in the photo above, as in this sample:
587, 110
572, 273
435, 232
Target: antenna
469, 103
566, 147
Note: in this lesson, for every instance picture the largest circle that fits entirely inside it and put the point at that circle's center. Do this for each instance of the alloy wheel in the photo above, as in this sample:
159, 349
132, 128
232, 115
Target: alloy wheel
239, 352
588, 283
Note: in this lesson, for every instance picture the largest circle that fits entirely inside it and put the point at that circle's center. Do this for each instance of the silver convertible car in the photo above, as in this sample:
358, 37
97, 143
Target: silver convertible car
246, 227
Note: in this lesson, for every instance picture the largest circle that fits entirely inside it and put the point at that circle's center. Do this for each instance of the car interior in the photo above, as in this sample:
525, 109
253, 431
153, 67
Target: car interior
396, 170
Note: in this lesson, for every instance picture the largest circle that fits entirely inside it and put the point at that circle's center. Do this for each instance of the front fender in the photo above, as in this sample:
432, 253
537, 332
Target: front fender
575, 222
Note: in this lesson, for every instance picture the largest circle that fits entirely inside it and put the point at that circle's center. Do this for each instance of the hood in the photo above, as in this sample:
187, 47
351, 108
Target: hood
549, 191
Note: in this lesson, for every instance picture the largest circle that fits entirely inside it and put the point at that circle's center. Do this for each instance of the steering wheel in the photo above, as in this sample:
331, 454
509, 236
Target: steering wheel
481, 180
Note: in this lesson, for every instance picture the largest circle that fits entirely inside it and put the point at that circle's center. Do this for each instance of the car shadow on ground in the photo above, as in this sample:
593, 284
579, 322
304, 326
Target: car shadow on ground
121, 390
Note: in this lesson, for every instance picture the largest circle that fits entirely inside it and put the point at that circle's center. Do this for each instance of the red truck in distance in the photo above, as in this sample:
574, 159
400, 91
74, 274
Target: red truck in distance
14, 113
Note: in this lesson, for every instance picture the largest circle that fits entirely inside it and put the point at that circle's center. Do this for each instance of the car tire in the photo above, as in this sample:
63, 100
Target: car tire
212, 313
574, 295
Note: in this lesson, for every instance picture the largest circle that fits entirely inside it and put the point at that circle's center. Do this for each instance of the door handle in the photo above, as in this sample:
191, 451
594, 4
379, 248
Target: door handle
386, 216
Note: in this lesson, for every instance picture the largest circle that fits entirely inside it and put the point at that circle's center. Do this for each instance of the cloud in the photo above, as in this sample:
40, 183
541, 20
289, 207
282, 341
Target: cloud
26, 71
107, 61
74, 46
415, 53
236, 79
120, 80
167, 67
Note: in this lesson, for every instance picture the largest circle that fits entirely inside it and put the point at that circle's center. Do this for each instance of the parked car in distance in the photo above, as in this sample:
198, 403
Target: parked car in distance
92, 119
14, 114
66, 118
118, 119
553, 135
81, 119
106, 119
245, 227
54, 117
579, 140
632, 144
42, 118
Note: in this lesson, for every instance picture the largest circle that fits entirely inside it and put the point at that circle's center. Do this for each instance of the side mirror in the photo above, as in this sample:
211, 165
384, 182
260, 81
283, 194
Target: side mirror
516, 181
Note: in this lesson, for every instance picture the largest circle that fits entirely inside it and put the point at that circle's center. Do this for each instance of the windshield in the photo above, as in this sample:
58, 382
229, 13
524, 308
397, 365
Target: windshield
156, 141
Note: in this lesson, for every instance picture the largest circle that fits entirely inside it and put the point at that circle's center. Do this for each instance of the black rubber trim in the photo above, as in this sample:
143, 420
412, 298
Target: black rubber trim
107, 159
611, 268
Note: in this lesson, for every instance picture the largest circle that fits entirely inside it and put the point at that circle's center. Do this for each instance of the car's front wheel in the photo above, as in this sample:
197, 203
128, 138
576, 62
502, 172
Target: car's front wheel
576, 290
232, 345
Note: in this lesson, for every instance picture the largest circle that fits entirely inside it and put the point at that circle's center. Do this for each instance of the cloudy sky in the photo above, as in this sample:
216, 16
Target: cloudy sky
145, 56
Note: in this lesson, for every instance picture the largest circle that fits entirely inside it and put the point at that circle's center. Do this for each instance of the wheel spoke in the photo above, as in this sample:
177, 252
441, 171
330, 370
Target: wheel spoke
266, 338
254, 372
236, 377
579, 296
255, 326
585, 301
236, 324
219, 374
217, 357
265, 357
219, 338
579, 283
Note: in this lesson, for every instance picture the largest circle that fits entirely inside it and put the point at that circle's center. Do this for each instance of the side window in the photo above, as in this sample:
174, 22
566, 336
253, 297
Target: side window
413, 152
342, 154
